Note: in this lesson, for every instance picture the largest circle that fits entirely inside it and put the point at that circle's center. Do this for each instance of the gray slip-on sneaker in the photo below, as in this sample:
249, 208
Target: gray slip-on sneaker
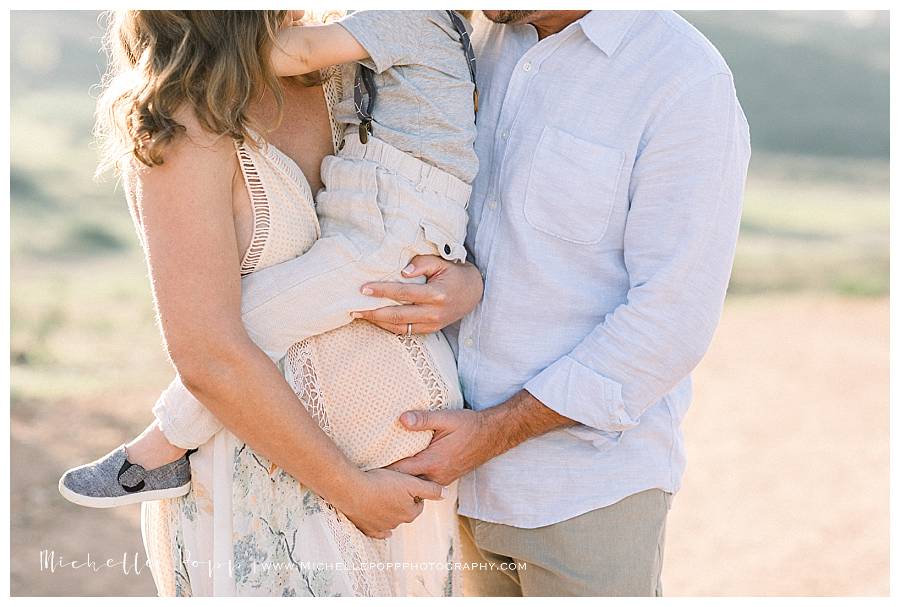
114, 481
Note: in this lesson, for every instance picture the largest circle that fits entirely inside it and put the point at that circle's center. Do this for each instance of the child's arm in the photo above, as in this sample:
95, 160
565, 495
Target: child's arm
305, 49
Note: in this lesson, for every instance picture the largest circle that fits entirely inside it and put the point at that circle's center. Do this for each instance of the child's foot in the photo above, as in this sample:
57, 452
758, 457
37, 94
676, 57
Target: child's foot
112, 481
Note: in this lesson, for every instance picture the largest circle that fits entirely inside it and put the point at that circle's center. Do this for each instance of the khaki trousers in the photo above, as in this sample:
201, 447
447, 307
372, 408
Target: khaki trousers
611, 551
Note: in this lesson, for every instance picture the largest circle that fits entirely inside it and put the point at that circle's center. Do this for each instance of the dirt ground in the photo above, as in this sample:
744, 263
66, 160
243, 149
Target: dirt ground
786, 491
787, 485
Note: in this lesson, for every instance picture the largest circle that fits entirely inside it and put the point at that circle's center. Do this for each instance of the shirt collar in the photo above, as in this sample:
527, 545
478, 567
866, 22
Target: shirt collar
607, 29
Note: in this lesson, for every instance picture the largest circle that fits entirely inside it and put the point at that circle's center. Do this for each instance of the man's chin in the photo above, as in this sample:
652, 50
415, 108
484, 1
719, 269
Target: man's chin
509, 17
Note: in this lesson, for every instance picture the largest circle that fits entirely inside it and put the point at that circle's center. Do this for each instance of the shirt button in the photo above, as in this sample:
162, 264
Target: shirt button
469, 342
505, 134
527, 66
492, 204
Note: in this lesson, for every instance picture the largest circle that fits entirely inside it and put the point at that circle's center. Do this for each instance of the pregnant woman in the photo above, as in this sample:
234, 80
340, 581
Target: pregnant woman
219, 160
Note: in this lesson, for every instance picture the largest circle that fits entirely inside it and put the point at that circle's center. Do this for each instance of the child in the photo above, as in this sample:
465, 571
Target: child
398, 188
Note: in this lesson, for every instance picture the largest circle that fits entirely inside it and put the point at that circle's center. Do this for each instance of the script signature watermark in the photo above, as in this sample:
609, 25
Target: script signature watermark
129, 564
135, 564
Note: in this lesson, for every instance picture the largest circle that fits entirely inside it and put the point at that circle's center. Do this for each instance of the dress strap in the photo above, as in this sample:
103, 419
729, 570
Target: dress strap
333, 88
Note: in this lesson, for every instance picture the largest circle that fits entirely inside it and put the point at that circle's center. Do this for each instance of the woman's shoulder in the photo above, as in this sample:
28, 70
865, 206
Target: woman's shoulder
192, 157
195, 143
192, 150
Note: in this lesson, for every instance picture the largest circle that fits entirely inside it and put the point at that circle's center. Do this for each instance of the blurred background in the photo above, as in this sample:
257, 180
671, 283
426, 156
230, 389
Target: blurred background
786, 491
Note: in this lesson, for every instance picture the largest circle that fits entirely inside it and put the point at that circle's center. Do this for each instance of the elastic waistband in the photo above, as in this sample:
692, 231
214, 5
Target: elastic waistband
424, 175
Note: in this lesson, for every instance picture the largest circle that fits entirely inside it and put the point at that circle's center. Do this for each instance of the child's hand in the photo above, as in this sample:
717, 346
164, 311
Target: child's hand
295, 18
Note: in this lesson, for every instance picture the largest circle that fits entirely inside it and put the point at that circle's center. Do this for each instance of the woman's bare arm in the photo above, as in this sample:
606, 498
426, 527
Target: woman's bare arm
184, 213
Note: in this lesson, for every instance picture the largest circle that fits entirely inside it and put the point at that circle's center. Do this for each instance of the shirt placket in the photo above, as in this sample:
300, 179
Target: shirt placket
488, 227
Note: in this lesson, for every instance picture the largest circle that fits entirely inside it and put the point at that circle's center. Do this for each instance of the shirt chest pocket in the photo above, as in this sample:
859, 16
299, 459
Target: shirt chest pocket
572, 187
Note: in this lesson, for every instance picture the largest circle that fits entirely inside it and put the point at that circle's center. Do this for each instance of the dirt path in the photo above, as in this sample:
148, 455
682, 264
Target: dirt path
786, 490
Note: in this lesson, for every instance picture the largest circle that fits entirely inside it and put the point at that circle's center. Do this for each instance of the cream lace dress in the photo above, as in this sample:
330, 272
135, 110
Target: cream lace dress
247, 527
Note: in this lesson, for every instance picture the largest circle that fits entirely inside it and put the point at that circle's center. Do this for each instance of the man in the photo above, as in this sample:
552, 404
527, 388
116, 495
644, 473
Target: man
604, 218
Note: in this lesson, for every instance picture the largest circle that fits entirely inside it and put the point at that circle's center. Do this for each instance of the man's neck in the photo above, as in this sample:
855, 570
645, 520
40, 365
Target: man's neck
548, 23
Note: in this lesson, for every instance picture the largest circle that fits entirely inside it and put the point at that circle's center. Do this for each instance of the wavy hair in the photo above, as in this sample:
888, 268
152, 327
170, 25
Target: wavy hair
213, 62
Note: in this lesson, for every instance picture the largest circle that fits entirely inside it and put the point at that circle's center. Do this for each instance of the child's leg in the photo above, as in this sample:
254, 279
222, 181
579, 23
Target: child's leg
182, 419
182, 423
373, 223
324, 290
151, 449
314, 293
323, 293
150, 467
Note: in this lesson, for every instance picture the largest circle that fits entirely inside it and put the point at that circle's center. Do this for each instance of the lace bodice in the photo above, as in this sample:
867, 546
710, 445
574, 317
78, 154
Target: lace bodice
284, 216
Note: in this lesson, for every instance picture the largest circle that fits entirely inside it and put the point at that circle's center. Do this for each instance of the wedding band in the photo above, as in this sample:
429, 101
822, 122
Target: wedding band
409, 329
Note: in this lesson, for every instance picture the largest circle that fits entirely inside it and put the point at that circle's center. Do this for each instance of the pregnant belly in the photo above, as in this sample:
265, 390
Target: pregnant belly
356, 380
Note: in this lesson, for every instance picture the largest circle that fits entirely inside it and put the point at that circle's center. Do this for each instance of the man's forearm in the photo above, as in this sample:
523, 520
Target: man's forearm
518, 419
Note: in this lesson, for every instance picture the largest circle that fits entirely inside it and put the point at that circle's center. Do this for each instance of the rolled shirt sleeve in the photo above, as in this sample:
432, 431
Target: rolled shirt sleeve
682, 226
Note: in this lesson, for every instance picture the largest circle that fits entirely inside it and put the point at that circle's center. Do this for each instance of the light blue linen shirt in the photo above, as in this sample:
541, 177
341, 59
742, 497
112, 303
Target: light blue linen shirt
604, 219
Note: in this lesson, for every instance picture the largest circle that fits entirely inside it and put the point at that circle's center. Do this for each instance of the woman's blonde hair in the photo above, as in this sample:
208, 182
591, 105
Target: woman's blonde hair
214, 63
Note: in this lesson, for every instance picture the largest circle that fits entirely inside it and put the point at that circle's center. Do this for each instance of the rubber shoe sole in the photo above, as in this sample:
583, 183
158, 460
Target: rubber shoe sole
122, 500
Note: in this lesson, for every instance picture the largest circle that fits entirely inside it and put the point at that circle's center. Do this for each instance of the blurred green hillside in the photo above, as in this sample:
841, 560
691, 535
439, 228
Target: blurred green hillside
815, 88
810, 82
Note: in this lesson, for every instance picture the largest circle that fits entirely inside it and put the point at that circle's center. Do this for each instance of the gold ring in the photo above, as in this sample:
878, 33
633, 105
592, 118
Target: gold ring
409, 329
417, 499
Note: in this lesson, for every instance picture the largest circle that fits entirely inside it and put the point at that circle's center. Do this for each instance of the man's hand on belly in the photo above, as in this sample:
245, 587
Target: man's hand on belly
465, 439
452, 290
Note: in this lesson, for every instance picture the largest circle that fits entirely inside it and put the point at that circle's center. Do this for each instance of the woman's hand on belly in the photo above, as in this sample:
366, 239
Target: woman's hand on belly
452, 290
385, 499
